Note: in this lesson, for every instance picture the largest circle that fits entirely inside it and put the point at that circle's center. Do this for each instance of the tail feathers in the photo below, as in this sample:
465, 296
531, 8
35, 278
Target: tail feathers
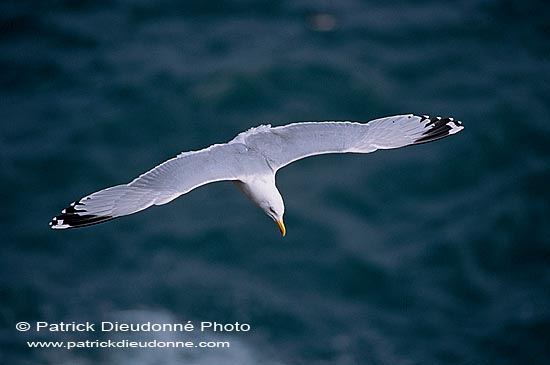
104, 205
436, 128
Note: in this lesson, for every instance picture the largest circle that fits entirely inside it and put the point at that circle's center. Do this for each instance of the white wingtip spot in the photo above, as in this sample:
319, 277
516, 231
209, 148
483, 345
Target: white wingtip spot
60, 226
455, 128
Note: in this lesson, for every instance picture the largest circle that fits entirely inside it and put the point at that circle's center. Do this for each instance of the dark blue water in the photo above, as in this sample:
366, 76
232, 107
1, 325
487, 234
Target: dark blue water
433, 254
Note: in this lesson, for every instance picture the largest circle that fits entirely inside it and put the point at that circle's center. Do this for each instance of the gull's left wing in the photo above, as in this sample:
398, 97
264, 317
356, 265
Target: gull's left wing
285, 144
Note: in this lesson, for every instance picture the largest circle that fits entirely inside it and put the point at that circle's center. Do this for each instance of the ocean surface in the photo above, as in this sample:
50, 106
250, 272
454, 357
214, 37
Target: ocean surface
431, 254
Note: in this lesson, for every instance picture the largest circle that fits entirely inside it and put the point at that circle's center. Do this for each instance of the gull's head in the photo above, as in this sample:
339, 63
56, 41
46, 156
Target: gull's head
263, 192
275, 209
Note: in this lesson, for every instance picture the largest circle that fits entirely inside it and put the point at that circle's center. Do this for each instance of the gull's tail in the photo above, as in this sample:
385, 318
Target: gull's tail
104, 205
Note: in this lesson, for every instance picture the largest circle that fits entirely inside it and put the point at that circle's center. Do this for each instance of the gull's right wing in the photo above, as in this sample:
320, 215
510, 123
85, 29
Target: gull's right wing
160, 185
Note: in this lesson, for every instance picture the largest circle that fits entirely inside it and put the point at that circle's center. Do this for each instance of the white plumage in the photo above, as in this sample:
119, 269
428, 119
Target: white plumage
251, 160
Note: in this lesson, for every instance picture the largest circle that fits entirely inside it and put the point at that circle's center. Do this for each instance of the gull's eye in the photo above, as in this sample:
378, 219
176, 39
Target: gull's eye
272, 210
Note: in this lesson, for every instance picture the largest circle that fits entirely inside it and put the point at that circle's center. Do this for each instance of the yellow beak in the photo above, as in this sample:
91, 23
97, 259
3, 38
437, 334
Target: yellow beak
281, 227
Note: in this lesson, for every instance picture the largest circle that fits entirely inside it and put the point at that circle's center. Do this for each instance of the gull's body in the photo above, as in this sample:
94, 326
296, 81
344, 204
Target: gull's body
251, 161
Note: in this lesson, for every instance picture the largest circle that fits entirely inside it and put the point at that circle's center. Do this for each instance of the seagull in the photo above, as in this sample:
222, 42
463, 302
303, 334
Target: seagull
251, 161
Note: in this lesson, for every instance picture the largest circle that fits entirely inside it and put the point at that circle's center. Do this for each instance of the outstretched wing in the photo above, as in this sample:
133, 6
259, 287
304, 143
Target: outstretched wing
285, 144
248, 154
161, 185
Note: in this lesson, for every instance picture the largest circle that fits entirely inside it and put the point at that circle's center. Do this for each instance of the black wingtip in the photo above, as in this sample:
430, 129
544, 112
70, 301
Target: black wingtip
437, 128
72, 217
65, 221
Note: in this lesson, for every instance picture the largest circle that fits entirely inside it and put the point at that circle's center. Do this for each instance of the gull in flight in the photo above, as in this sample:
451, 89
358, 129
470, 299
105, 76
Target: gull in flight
251, 161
